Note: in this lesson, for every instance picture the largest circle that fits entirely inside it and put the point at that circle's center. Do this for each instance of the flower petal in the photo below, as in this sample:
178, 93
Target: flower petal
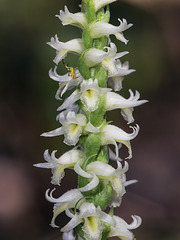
70, 100
94, 182
73, 194
75, 19
53, 133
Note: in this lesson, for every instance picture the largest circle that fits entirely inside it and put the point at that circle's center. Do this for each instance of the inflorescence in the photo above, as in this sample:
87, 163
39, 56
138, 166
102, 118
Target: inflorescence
95, 82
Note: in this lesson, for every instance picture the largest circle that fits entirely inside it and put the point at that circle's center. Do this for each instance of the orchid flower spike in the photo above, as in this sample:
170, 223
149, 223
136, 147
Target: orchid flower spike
82, 118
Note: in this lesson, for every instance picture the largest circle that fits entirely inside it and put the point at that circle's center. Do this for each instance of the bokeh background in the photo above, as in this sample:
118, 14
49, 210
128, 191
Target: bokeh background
28, 108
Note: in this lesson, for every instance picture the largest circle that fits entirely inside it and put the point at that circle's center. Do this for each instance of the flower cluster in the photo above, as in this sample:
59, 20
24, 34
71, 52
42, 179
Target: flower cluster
82, 116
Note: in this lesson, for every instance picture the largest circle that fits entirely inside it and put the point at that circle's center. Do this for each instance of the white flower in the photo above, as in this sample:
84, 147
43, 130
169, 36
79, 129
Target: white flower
66, 82
73, 127
92, 218
94, 56
74, 46
116, 101
116, 176
75, 19
101, 29
103, 171
67, 200
115, 79
89, 94
58, 165
111, 134
122, 229
101, 3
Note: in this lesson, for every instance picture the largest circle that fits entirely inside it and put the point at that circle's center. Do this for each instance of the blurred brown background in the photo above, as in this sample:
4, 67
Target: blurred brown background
28, 108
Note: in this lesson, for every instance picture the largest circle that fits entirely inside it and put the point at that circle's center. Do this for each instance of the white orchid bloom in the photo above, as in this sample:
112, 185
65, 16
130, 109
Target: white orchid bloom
122, 229
92, 218
73, 127
117, 178
101, 29
101, 3
102, 171
115, 79
74, 46
89, 94
67, 200
112, 134
94, 56
66, 82
75, 19
116, 101
58, 165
